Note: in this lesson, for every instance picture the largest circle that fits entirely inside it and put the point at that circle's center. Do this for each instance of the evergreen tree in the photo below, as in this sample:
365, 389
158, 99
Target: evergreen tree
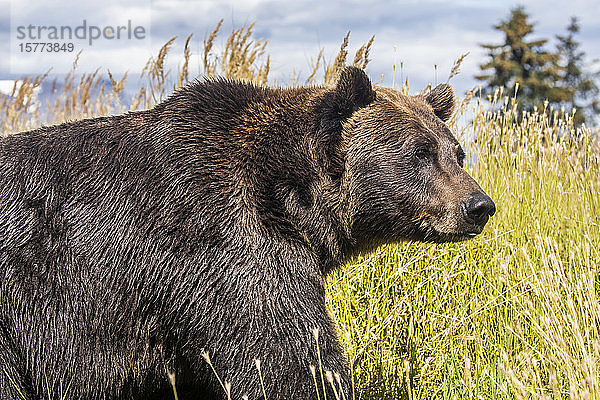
580, 85
524, 62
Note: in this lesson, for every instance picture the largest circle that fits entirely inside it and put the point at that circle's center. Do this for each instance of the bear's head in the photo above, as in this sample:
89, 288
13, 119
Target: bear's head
402, 173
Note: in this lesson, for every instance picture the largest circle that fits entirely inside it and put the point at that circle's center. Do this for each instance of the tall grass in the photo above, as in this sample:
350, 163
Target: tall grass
514, 313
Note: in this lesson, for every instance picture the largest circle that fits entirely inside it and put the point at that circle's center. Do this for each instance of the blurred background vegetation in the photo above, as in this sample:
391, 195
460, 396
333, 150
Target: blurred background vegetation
540, 74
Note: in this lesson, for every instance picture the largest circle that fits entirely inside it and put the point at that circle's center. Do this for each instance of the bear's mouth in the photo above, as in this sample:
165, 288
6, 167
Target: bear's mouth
460, 237
470, 233
446, 237
429, 231
474, 231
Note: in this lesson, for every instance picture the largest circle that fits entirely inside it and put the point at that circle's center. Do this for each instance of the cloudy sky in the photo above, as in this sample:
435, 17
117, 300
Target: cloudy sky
420, 34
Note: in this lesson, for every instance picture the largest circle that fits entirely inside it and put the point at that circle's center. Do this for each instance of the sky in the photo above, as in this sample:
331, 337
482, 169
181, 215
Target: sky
424, 36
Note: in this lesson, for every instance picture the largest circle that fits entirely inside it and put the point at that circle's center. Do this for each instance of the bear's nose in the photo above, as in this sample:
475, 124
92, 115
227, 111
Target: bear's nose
478, 208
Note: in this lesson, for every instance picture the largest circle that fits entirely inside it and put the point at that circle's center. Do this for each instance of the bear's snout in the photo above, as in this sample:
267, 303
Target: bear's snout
477, 210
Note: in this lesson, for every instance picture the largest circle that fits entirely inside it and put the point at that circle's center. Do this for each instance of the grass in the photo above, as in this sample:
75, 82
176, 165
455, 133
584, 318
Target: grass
513, 314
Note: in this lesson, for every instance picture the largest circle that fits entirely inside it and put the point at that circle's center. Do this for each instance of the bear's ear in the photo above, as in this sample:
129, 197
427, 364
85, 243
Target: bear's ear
352, 91
441, 99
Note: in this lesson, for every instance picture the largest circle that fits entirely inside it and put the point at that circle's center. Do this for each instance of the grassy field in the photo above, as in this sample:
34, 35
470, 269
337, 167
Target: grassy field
514, 313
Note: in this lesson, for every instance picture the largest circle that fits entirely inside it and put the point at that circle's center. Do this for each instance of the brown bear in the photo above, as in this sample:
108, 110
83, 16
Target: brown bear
133, 245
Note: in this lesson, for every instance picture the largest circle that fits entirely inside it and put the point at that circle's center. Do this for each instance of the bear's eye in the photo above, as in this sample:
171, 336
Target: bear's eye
422, 153
460, 156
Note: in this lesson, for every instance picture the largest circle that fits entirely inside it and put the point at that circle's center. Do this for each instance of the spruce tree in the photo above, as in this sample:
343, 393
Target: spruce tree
525, 62
579, 84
